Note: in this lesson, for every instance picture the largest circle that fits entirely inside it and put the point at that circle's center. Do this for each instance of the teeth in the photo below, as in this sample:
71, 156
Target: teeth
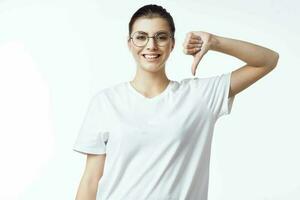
151, 56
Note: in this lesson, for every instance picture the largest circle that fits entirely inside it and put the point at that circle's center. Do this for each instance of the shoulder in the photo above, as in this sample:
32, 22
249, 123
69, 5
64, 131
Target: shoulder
110, 92
202, 84
196, 81
211, 81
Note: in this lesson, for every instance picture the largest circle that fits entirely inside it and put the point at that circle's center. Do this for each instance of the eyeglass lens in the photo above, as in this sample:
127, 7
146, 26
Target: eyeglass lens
141, 38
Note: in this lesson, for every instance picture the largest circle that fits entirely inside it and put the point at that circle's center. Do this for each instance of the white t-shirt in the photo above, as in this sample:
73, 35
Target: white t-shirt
156, 148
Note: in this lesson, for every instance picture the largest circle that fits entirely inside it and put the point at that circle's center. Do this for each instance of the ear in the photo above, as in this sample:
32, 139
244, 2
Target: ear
173, 45
128, 43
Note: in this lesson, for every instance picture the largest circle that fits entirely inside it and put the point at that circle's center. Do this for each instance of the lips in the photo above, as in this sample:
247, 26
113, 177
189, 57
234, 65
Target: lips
151, 56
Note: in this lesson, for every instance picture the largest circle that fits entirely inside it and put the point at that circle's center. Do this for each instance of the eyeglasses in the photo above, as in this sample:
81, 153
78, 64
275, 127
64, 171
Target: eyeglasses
141, 39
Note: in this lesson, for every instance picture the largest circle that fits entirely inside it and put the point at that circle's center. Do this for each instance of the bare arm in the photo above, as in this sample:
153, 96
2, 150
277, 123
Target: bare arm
259, 61
250, 53
87, 189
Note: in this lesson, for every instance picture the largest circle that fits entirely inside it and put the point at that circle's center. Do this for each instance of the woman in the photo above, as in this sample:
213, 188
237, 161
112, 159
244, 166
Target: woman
157, 132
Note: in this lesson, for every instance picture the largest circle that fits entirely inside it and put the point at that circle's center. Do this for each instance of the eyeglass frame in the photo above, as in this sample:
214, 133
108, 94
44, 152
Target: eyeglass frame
131, 38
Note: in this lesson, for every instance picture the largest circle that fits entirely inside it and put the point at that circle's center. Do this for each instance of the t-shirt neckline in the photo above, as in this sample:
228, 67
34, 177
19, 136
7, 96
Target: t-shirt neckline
159, 96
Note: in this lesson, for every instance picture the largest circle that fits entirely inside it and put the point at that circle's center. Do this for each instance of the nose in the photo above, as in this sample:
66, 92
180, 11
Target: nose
151, 43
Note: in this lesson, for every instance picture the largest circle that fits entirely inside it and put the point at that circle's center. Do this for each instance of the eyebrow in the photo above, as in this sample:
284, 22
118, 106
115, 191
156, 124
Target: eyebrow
161, 31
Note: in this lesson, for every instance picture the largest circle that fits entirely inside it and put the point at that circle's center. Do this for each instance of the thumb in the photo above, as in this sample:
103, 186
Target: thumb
197, 59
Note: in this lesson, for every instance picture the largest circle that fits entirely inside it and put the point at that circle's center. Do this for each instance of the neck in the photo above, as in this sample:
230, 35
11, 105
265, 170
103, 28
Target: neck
149, 83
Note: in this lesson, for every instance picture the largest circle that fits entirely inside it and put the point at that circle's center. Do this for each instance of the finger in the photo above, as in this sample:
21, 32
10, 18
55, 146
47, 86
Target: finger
191, 51
195, 41
192, 46
194, 36
196, 61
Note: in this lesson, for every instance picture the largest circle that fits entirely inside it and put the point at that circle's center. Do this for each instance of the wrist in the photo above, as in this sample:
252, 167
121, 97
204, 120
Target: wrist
215, 41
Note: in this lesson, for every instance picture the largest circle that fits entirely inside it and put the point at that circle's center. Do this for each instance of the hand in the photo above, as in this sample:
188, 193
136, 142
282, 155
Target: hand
197, 43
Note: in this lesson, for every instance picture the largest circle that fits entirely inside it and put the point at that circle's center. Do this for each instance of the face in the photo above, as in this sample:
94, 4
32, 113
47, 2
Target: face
151, 27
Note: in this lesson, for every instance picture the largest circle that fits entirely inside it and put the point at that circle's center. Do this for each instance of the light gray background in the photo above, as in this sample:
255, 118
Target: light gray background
54, 55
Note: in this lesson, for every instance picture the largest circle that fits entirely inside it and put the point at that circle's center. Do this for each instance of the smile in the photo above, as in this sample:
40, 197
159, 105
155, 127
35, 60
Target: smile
151, 57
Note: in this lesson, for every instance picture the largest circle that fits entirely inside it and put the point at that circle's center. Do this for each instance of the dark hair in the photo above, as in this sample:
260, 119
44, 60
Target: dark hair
151, 11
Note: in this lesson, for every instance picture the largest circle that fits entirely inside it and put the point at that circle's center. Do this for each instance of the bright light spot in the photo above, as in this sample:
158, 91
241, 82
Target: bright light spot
26, 136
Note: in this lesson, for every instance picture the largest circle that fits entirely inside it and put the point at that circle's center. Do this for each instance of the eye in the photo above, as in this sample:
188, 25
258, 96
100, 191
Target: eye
162, 36
141, 37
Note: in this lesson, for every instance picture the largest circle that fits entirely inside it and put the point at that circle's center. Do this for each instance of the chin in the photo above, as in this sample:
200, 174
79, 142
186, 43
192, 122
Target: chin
151, 68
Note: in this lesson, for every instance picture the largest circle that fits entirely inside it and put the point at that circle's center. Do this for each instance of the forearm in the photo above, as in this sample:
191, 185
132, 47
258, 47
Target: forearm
250, 53
87, 190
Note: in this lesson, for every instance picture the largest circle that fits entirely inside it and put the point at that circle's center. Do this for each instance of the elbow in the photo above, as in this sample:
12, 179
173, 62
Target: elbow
275, 60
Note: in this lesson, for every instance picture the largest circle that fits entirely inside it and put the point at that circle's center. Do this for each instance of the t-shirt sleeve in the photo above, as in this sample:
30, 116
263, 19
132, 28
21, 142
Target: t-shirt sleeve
215, 91
92, 136
218, 101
